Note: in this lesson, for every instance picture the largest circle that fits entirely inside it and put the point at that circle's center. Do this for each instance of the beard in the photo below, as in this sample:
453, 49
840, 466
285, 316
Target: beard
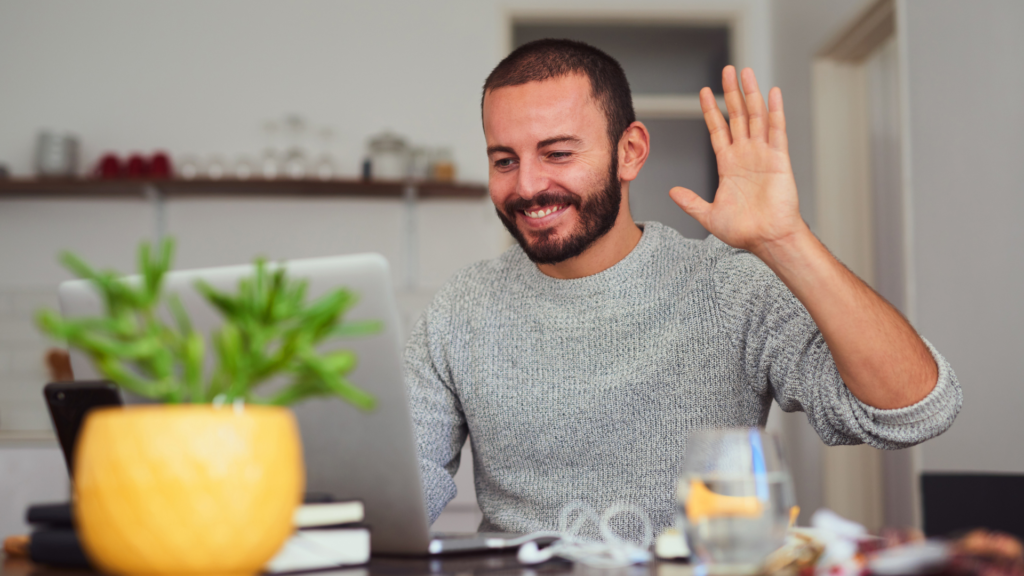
597, 215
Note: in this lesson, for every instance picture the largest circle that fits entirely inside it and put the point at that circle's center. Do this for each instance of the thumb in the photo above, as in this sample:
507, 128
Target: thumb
691, 203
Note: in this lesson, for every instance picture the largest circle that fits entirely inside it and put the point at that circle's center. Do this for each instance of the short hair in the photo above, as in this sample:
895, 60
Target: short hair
554, 58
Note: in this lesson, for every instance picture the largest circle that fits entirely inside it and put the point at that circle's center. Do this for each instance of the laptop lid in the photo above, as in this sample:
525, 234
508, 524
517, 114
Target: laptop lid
348, 454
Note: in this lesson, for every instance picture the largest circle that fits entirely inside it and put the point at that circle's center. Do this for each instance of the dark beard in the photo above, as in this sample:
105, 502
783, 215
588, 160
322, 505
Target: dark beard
596, 217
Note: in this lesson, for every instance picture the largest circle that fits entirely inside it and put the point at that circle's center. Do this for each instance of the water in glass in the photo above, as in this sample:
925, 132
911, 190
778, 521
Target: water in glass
735, 495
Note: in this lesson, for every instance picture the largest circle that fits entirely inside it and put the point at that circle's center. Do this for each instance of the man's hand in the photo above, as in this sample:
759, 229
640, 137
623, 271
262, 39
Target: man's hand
880, 357
756, 203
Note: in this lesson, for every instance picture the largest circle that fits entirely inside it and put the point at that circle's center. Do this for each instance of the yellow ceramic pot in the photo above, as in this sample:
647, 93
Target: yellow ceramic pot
186, 489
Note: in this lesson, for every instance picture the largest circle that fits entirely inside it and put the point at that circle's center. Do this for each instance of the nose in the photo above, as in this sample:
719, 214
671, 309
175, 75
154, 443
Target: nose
533, 178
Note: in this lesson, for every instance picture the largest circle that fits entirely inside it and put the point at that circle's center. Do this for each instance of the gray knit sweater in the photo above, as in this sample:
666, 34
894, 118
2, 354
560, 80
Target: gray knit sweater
587, 389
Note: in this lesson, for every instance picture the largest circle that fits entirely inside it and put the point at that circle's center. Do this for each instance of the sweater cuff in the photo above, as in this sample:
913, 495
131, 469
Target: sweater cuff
944, 398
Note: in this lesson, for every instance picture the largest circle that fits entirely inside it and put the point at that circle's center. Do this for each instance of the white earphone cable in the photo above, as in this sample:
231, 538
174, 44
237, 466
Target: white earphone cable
611, 552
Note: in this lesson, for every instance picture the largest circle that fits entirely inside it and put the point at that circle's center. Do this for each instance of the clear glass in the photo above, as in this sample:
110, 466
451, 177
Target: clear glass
244, 168
389, 156
269, 166
324, 166
189, 168
443, 165
735, 495
216, 167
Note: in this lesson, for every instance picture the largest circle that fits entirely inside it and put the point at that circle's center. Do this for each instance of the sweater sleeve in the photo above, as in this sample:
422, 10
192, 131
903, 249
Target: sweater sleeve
785, 355
439, 424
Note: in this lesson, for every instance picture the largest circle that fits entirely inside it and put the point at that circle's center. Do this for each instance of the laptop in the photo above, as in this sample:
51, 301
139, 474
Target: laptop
348, 454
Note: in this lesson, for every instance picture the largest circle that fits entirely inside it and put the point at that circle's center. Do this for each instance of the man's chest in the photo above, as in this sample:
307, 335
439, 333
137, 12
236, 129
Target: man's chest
548, 377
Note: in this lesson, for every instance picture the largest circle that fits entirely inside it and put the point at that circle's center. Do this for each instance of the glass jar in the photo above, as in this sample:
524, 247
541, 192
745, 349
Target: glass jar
443, 165
389, 156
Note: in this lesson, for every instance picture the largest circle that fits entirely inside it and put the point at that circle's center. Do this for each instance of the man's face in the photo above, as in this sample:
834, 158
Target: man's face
552, 168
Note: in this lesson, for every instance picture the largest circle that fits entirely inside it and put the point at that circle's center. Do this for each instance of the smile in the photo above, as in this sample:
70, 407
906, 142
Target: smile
542, 212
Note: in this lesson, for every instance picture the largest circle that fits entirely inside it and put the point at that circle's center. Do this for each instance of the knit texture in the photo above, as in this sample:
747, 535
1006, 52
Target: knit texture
587, 389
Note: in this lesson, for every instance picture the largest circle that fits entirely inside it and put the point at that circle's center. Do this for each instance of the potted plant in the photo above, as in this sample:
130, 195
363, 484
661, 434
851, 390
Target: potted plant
206, 480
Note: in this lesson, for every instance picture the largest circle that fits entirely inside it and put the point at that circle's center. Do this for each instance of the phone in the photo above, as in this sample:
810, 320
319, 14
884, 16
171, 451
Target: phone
69, 402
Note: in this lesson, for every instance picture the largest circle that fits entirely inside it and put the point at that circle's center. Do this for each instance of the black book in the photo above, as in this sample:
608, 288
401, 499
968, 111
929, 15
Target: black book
55, 515
56, 547
53, 540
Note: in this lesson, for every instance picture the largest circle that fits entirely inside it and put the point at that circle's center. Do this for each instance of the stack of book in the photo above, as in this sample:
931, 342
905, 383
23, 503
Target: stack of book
53, 540
329, 535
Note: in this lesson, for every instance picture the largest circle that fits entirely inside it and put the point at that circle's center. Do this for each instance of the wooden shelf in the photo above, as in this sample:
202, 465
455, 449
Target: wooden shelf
136, 188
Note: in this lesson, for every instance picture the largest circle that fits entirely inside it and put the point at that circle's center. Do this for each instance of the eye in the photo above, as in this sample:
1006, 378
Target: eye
559, 155
504, 163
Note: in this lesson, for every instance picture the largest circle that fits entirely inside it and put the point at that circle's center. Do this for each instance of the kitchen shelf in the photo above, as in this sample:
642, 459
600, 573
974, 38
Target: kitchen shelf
174, 188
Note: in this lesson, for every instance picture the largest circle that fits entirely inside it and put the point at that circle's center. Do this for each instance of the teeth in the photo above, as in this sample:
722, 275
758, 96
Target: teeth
542, 213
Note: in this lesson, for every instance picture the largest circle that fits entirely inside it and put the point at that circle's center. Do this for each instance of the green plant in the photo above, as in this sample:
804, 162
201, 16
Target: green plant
268, 330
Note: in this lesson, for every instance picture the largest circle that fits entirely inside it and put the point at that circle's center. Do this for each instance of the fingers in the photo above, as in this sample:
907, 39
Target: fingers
717, 126
691, 203
755, 106
776, 121
735, 103
748, 116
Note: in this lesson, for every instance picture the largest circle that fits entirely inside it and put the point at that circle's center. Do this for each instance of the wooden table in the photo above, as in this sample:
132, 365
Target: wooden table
491, 564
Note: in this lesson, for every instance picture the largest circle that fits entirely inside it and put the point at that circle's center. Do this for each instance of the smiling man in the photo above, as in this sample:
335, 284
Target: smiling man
580, 360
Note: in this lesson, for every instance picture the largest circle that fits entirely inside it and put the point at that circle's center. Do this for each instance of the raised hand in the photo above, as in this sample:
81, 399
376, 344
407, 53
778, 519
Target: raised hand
880, 357
756, 203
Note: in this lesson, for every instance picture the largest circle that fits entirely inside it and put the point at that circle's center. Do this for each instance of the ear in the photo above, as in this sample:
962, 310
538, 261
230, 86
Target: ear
634, 146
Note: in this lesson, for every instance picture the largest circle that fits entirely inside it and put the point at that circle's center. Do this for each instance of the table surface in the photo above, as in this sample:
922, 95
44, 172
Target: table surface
491, 564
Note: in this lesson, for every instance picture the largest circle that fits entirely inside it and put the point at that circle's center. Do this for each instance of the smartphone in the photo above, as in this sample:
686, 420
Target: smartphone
69, 402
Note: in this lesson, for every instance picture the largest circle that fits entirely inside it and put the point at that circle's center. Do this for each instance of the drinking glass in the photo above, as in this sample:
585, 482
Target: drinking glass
735, 496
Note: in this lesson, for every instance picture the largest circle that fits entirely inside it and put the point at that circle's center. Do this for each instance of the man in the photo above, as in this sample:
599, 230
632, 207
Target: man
581, 359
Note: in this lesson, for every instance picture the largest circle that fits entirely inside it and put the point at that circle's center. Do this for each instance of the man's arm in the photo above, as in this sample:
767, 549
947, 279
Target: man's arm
879, 356
439, 424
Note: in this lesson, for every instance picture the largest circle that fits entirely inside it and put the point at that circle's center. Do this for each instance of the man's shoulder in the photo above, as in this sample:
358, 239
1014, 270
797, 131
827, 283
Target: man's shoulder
733, 272
709, 252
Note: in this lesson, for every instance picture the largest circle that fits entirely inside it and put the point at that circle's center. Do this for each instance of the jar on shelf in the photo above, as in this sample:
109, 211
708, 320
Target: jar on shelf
419, 163
269, 166
443, 165
324, 168
296, 166
244, 168
389, 156
190, 168
56, 155
216, 167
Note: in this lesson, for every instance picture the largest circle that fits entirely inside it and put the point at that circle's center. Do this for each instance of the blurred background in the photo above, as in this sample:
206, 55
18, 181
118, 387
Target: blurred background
316, 127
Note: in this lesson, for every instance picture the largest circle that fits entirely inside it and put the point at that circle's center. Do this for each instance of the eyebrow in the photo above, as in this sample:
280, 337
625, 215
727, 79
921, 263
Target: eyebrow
557, 139
542, 144
493, 149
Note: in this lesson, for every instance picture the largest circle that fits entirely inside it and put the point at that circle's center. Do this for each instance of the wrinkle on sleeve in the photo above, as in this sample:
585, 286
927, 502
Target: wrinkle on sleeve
785, 355
439, 424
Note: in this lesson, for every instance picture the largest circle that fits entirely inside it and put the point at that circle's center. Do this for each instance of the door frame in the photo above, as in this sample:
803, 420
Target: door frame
874, 487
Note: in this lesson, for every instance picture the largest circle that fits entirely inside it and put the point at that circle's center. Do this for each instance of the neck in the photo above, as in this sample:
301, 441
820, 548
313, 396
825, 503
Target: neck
605, 252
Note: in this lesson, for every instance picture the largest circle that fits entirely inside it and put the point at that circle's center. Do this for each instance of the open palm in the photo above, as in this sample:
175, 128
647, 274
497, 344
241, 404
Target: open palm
756, 202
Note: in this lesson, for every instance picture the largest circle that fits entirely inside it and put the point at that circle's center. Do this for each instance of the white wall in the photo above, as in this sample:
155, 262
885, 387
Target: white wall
32, 232
31, 472
967, 145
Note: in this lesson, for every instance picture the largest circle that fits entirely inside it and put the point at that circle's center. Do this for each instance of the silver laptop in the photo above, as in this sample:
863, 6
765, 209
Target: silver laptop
348, 454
